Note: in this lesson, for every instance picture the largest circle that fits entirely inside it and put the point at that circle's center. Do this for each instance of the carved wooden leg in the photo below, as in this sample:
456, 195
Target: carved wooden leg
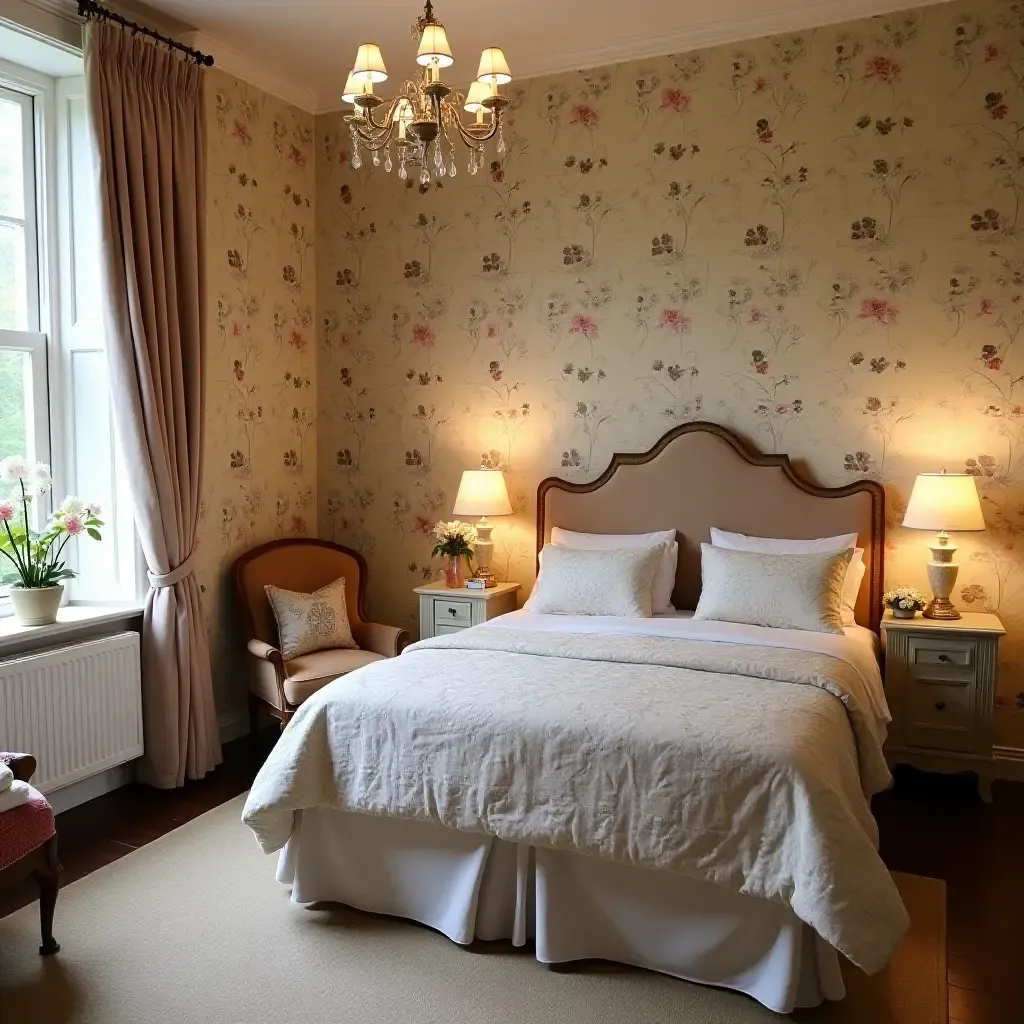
49, 883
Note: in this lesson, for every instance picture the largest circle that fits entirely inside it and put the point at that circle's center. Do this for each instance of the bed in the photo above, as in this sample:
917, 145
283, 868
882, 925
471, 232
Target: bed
686, 796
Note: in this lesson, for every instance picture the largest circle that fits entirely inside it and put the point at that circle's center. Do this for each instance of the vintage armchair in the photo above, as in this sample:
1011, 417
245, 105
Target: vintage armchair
28, 847
303, 565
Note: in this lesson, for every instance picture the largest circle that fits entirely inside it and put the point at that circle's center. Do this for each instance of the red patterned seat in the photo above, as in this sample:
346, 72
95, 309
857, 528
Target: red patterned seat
28, 846
24, 829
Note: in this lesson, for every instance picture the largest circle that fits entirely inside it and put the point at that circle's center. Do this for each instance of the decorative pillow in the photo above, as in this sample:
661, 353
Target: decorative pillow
779, 546
664, 578
783, 591
614, 582
311, 622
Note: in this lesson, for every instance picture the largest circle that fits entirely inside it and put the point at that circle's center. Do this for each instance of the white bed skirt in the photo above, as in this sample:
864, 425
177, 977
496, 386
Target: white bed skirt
470, 886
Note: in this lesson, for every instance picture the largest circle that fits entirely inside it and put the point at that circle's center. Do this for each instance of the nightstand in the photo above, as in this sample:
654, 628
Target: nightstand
940, 681
444, 610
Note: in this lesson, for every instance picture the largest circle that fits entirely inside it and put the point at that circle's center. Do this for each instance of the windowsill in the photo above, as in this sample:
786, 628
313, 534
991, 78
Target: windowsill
72, 618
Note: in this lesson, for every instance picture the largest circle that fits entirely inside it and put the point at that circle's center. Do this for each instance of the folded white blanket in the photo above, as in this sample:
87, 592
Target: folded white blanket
14, 796
6, 778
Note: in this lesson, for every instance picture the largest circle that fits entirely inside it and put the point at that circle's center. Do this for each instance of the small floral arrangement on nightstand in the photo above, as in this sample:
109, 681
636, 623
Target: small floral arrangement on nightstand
905, 602
455, 541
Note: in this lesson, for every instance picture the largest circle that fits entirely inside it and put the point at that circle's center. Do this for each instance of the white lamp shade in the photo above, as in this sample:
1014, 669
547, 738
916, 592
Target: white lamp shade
369, 65
353, 89
944, 501
482, 493
493, 68
477, 92
434, 47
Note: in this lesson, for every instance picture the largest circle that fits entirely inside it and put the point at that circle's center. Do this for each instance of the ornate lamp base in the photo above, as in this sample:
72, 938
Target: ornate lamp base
484, 548
942, 573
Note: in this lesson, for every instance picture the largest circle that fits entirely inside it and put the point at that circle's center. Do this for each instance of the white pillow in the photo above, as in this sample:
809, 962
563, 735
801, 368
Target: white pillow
616, 582
779, 546
781, 591
665, 578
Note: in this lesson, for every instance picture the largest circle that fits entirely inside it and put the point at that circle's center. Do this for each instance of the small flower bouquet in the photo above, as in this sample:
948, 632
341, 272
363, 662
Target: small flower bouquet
455, 541
36, 569
905, 602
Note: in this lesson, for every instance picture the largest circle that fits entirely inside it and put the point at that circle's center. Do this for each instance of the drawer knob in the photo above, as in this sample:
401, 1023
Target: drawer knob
940, 705
451, 612
943, 657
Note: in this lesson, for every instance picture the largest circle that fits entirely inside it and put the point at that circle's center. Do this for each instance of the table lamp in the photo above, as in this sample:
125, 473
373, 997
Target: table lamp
943, 501
483, 493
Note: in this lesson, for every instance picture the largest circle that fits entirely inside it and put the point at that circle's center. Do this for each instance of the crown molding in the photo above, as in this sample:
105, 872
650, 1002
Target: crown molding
700, 37
251, 70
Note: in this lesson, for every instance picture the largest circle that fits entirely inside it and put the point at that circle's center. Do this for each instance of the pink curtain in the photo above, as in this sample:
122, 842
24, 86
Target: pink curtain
148, 120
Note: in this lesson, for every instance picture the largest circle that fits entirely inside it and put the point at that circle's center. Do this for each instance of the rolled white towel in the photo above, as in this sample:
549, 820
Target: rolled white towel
15, 796
6, 777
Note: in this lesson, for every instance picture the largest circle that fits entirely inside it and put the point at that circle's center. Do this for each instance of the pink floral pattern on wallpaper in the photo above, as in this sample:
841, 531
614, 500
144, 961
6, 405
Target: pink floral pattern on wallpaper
261, 455
814, 239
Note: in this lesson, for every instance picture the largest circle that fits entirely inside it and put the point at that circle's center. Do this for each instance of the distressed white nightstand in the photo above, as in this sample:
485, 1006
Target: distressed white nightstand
444, 610
940, 681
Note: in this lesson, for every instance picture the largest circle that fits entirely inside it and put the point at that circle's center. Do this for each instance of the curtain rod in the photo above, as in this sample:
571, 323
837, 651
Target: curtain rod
90, 9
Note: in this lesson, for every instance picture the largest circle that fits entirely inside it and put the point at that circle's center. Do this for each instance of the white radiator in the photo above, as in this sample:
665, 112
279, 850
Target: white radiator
77, 709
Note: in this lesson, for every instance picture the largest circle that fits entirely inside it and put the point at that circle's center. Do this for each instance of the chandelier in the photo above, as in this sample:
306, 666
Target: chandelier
423, 121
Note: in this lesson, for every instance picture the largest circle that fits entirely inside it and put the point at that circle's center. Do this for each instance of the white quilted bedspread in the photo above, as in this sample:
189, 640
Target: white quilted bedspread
746, 766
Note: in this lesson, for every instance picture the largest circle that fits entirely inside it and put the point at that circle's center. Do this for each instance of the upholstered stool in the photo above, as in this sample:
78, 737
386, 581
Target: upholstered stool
28, 847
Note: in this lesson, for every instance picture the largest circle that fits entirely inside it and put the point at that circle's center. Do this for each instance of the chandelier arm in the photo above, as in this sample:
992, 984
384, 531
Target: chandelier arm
471, 139
388, 119
378, 140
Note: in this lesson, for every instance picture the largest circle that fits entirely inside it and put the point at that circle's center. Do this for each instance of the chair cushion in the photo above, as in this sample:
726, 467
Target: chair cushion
309, 672
25, 828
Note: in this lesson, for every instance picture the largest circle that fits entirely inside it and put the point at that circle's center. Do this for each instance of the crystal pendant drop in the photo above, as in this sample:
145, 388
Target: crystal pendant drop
424, 177
402, 172
387, 162
451, 168
502, 148
376, 159
357, 160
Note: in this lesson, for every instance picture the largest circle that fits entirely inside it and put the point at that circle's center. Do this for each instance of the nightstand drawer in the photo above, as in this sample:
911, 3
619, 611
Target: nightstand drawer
941, 715
440, 629
932, 658
453, 613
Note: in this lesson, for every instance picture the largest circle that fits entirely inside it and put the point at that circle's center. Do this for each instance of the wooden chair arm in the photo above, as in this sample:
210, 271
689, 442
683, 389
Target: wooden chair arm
22, 765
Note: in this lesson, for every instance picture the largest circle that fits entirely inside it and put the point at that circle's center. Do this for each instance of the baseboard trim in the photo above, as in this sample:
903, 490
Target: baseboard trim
233, 725
1009, 763
90, 788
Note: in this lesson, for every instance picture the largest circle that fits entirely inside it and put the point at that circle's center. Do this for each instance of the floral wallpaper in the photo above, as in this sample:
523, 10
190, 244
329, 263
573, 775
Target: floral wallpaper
260, 473
814, 239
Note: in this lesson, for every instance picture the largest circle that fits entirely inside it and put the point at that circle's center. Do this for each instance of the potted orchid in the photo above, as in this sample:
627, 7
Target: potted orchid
36, 569
905, 602
455, 541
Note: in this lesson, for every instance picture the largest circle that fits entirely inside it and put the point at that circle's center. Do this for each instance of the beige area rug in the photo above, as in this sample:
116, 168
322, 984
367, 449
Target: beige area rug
193, 929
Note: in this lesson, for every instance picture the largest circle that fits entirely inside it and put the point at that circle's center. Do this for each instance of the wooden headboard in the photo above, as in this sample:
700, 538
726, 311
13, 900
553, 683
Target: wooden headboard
701, 475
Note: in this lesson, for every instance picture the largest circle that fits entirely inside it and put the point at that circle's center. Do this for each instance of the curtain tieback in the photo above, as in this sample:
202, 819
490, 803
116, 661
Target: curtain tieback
168, 579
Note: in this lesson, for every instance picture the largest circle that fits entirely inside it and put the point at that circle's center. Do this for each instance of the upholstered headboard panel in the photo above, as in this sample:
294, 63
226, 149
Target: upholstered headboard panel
701, 475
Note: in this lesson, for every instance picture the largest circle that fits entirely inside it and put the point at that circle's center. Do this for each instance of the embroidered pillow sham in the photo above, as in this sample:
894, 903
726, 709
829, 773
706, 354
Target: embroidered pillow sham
616, 582
311, 622
782, 591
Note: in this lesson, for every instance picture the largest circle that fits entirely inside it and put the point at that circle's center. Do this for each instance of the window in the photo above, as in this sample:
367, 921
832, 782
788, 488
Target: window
54, 396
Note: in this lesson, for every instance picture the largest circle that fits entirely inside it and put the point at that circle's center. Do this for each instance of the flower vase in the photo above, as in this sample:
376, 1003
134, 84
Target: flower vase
904, 613
453, 572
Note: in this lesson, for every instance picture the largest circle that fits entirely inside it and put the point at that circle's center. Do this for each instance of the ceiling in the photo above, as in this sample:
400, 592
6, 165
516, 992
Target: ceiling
305, 47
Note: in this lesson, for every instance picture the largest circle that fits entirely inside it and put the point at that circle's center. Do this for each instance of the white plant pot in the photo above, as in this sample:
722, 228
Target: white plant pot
36, 606
904, 613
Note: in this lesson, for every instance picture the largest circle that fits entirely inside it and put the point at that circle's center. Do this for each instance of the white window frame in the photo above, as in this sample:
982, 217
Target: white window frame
55, 342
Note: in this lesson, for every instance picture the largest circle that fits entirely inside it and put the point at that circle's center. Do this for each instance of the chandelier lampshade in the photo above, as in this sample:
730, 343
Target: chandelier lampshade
477, 92
434, 48
424, 121
369, 65
494, 68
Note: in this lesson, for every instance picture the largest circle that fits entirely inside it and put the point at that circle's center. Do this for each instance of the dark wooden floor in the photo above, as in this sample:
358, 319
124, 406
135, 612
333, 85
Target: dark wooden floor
930, 825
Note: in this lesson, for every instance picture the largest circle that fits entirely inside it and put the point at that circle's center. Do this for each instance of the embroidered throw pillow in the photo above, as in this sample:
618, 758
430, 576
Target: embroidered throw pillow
783, 591
311, 622
614, 582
